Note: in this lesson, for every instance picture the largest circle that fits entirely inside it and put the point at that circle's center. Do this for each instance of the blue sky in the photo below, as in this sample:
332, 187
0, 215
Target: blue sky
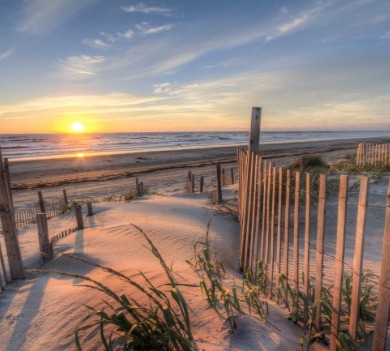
194, 65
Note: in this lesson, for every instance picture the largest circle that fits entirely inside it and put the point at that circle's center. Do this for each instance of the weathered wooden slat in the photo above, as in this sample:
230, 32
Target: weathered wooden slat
296, 238
358, 256
320, 248
306, 258
383, 313
272, 234
279, 228
339, 261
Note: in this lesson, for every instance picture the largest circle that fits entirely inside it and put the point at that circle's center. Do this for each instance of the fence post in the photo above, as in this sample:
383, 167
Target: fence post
232, 175
9, 227
89, 208
79, 217
189, 179
320, 247
3, 266
383, 313
137, 187
223, 180
254, 136
42, 204
193, 183
8, 180
45, 246
358, 256
219, 185
339, 261
65, 196
201, 184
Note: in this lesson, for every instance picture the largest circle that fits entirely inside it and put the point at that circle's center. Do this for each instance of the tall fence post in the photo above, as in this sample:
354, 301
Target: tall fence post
254, 135
358, 256
320, 248
383, 313
9, 227
79, 217
219, 185
201, 185
339, 261
42, 204
65, 196
8, 180
45, 246
89, 208
232, 175
137, 187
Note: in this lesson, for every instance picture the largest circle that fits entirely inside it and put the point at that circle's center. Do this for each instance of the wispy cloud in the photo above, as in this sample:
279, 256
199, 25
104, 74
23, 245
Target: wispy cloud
289, 26
42, 16
162, 88
95, 43
146, 29
142, 8
6, 54
80, 67
108, 40
77, 103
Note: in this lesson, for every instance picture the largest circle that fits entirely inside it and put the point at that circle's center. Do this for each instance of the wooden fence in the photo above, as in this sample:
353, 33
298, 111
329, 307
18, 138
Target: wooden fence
283, 215
373, 154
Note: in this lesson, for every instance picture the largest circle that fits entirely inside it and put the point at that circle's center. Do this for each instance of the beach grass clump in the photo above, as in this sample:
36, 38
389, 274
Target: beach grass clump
124, 323
128, 196
350, 166
226, 299
306, 310
309, 162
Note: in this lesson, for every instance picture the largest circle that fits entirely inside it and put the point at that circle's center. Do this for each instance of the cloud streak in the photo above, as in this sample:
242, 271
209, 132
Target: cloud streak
41, 16
80, 67
142, 8
146, 29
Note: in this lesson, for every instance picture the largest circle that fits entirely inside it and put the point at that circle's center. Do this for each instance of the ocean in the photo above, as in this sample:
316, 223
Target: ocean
42, 146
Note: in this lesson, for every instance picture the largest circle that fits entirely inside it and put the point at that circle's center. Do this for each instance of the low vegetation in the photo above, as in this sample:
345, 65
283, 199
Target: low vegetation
162, 322
302, 308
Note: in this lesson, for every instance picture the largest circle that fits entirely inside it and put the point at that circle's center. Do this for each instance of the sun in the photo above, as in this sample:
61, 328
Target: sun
77, 127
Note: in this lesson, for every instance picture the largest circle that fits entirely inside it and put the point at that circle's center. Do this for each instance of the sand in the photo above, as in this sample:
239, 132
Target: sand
41, 312
162, 172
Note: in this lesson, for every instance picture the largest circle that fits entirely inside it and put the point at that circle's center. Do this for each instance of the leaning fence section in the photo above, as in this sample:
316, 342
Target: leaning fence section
373, 154
283, 216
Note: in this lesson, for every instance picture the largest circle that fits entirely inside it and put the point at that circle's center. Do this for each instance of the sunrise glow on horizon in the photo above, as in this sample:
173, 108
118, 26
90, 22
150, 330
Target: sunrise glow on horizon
125, 66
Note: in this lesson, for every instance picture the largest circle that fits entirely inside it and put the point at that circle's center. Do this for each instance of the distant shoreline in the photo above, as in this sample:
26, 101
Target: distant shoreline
20, 148
31, 174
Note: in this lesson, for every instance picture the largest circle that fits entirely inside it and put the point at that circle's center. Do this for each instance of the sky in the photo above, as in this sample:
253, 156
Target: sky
186, 65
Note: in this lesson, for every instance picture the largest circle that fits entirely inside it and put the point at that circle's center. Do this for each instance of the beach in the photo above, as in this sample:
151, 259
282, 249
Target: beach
42, 311
162, 172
